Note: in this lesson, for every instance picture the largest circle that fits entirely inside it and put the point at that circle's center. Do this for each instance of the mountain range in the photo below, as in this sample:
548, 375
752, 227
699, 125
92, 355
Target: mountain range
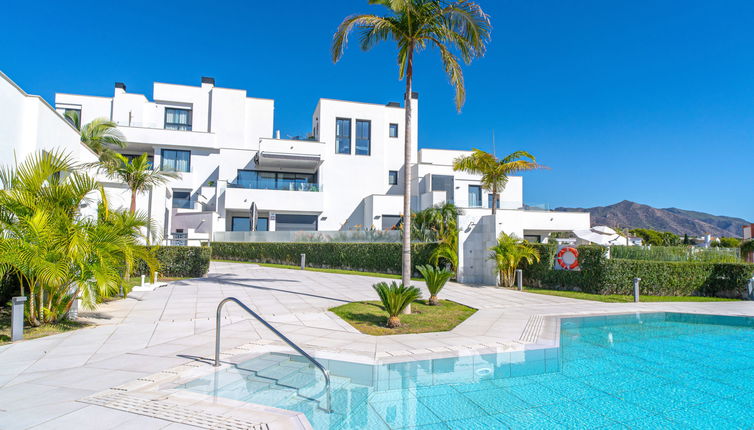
678, 221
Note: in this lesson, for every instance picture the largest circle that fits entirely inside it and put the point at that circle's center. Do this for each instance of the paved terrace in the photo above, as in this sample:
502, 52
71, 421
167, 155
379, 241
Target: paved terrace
42, 380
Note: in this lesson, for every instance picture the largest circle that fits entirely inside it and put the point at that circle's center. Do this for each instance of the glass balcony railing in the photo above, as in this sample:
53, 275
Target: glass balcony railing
280, 185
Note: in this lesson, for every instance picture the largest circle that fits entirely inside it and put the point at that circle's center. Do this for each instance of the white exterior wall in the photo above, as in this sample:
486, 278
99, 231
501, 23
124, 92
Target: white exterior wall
230, 130
28, 124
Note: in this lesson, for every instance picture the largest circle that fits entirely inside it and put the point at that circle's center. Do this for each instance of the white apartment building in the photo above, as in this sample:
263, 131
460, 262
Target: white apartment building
346, 174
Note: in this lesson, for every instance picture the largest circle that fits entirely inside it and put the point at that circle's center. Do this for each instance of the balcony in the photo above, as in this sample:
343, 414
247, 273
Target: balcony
167, 137
289, 199
277, 185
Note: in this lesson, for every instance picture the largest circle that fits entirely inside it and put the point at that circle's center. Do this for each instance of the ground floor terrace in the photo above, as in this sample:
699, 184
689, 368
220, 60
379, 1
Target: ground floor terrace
119, 373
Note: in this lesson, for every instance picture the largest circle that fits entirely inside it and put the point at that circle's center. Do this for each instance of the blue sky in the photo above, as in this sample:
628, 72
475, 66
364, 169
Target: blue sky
646, 101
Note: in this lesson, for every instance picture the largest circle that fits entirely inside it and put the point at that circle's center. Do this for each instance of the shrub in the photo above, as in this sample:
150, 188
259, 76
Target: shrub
179, 261
435, 278
365, 257
601, 275
395, 299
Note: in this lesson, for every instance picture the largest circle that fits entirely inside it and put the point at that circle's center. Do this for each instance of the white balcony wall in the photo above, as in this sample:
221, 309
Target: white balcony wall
275, 200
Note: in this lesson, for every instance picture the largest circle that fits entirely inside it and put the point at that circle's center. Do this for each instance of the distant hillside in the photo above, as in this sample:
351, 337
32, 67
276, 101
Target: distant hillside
678, 221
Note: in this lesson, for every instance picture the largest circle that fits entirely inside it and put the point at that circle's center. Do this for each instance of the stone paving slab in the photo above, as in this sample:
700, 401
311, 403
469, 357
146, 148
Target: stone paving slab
41, 380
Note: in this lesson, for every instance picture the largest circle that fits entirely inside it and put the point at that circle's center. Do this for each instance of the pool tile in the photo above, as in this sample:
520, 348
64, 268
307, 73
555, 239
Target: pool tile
477, 423
407, 413
452, 407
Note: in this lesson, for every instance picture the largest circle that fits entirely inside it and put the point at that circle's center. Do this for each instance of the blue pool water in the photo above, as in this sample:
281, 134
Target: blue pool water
641, 371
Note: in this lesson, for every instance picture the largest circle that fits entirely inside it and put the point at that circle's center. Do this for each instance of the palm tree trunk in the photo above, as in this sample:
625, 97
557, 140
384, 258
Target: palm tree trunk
494, 200
406, 273
133, 202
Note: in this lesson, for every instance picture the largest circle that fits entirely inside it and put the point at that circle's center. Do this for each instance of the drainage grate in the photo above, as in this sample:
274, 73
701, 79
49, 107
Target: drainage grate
169, 411
533, 329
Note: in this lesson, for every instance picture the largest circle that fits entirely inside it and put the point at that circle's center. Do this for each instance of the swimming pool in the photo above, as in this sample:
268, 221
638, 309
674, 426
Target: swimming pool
659, 370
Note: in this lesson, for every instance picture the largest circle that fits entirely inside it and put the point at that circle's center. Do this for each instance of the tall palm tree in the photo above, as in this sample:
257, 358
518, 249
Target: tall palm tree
101, 136
508, 254
495, 171
137, 174
456, 28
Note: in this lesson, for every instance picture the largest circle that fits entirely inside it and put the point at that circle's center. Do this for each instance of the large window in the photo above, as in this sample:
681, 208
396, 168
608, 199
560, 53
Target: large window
343, 135
392, 177
182, 199
178, 119
475, 196
243, 223
391, 222
393, 130
175, 160
150, 159
73, 116
444, 183
363, 137
290, 222
287, 181
489, 201
240, 223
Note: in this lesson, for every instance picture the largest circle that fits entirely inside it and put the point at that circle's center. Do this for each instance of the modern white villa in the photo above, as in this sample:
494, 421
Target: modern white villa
346, 174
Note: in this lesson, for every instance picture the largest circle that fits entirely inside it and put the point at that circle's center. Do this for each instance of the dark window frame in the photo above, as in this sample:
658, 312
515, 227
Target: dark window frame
177, 124
233, 220
162, 160
369, 138
338, 137
390, 130
188, 200
479, 193
390, 175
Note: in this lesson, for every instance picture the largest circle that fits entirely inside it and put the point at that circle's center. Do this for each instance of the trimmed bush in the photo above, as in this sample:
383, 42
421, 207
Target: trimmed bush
179, 261
600, 275
364, 257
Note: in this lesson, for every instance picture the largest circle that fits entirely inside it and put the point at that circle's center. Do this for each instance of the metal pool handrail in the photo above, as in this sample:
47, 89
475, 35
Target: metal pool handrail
280, 335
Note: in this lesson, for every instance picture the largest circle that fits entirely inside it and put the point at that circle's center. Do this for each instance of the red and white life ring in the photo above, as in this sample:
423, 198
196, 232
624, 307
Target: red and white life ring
568, 258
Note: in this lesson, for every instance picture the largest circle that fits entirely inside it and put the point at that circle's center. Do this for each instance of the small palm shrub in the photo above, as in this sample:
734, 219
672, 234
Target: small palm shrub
435, 279
395, 299
508, 254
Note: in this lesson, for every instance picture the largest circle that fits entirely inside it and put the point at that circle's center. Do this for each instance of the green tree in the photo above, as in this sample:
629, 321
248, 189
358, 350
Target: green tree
57, 254
455, 28
396, 299
137, 173
102, 136
435, 278
508, 254
495, 171
439, 224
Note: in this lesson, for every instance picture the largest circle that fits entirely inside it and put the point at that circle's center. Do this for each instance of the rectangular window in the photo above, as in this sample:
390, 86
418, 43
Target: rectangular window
343, 135
533, 238
363, 137
393, 130
391, 222
178, 119
150, 159
263, 224
240, 223
444, 183
489, 201
73, 116
392, 177
475, 196
175, 161
182, 199
290, 222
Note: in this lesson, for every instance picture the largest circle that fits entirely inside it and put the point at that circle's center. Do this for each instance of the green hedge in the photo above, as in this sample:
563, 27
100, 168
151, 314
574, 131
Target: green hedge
179, 261
601, 275
365, 257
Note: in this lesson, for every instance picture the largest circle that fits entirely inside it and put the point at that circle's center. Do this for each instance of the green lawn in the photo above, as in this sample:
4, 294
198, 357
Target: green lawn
615, 298
370, 317
34, 332
316, 269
